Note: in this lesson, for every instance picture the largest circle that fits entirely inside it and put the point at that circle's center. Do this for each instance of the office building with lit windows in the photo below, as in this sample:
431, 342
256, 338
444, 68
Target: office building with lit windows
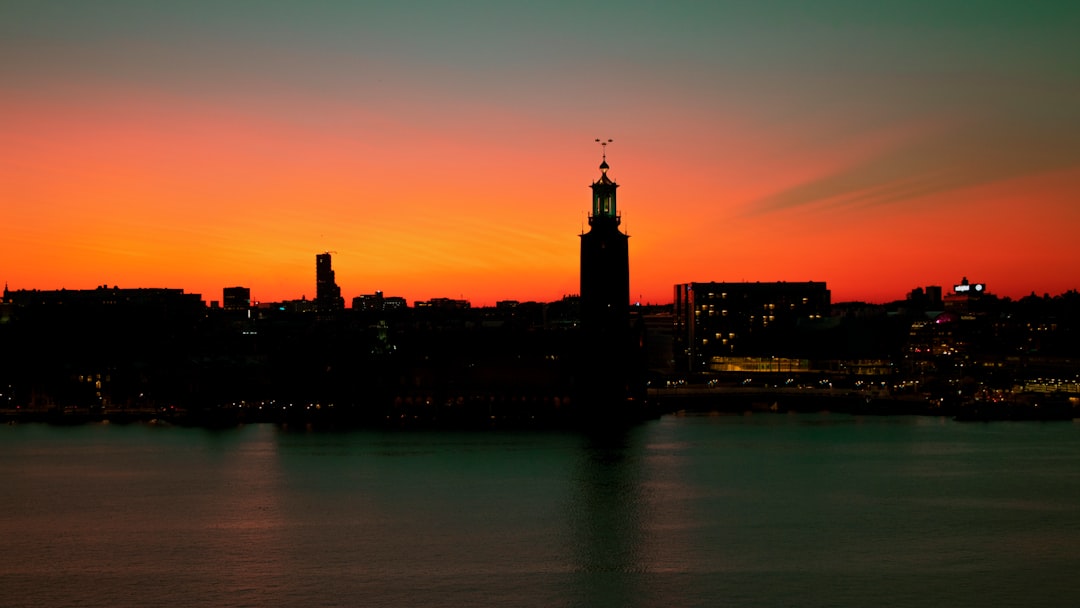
377, 302
713, 321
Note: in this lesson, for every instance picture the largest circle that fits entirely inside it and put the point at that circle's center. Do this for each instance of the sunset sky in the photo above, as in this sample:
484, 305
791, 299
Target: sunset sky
445, 149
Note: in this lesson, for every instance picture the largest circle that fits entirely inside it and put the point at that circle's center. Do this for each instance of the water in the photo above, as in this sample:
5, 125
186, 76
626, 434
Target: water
763, 510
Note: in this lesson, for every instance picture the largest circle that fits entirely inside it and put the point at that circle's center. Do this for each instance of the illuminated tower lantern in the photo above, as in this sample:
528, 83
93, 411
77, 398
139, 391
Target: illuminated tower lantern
605, 265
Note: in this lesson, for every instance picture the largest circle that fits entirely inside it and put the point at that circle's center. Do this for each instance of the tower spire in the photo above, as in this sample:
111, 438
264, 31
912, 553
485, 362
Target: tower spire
603, 145
603, 208
603, 159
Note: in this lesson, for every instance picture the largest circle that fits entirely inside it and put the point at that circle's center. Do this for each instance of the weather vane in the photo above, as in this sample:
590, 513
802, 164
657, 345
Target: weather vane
603, 144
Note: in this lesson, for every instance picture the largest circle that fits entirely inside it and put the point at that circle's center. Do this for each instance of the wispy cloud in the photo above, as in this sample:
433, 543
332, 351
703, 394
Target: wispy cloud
961, 157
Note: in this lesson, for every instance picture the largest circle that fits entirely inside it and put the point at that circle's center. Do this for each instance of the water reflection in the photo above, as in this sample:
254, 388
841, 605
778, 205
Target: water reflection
243, 500
608, 520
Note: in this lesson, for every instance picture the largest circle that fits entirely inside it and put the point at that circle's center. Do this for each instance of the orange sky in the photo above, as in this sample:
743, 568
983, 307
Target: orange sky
443, 163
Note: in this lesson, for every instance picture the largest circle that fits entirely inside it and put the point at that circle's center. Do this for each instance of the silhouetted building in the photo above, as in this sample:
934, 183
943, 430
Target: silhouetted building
6, 307
236, 298
443, 304
964, 295
605, 264
920, 299
90, 348
724, 319
372, 302
166, 302
303, 305
611, 366
933, 296
377, 302
327, 293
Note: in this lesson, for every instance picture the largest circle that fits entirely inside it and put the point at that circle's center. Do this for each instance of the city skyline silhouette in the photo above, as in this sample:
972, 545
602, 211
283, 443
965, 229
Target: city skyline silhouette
328, 294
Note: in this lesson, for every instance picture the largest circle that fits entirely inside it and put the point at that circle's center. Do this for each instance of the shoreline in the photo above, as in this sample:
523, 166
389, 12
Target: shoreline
478, 415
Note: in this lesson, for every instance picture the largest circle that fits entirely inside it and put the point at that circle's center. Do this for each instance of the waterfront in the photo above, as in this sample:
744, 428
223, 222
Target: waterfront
751, 510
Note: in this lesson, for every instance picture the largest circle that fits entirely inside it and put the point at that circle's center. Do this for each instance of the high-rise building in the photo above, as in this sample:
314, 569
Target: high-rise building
327, 293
